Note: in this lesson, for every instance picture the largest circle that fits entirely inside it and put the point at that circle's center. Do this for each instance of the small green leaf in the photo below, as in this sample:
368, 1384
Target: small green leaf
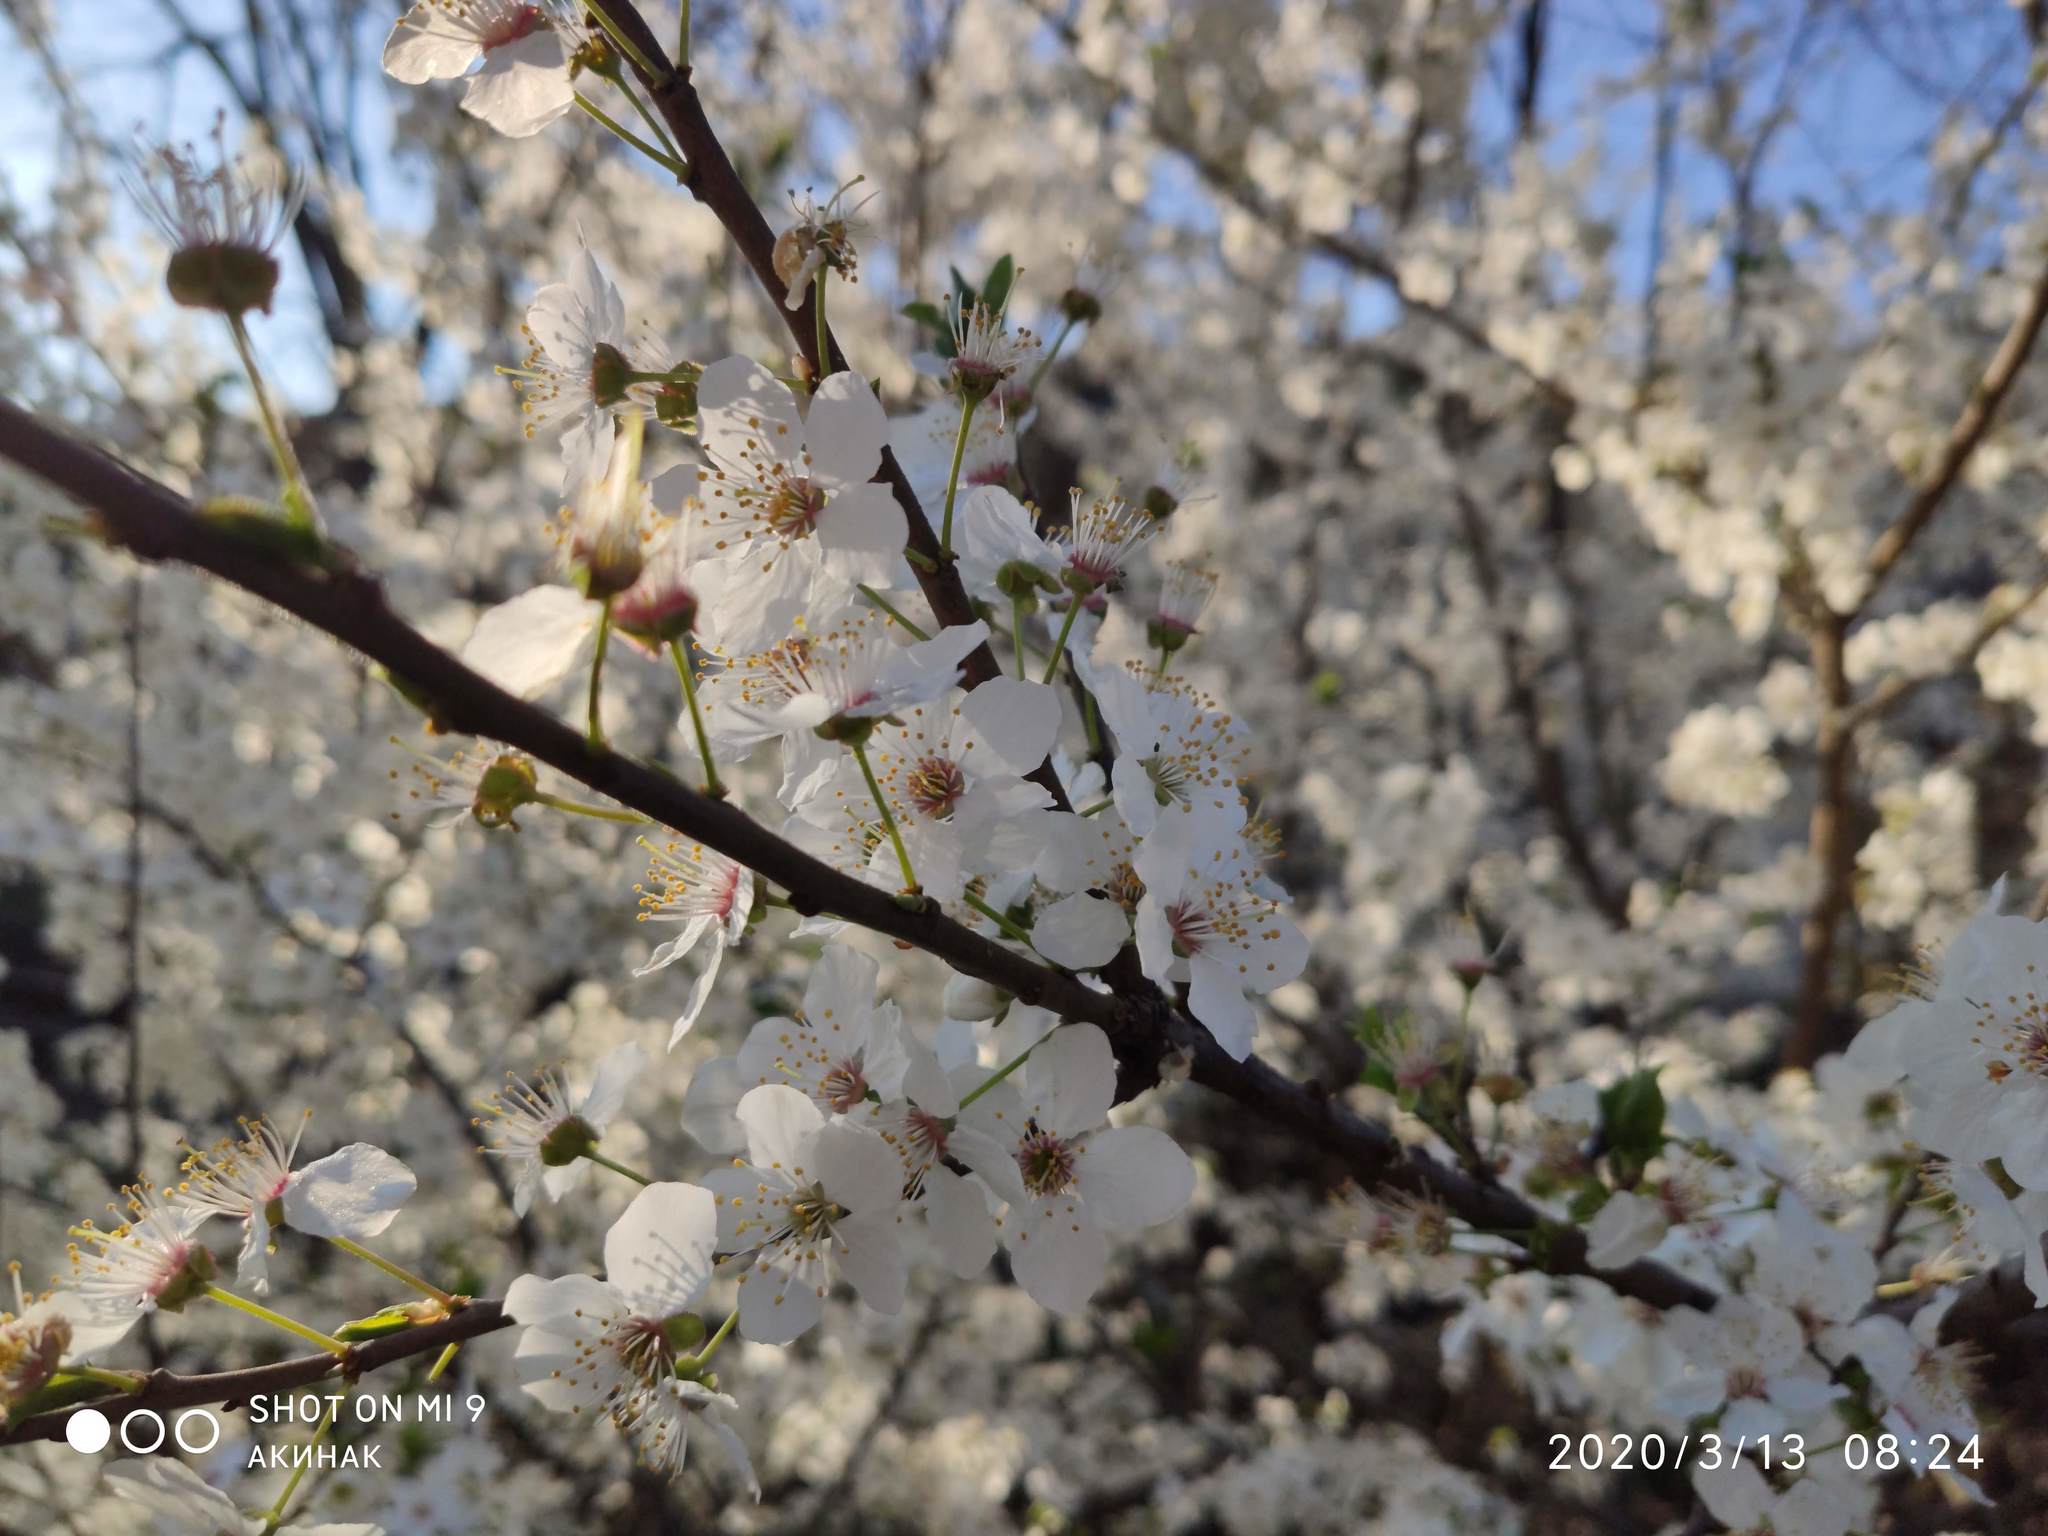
995, 289
1632, 1116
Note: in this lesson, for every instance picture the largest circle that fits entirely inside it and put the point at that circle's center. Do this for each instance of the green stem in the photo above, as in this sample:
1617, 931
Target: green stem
599, 812
999, 919
594, 734
1059, 646
1017, 634
824, 331
712, 785
592, 1156
883, 603
683, 44
1005, 1069
1099, 807
445, 1359
967, 404
274, 1516
860, 755
1094, 727
1051, 352
298, 499
769, 899
653, 122
619, 130
711, 1348
277, 1320
401, 1275
1160, 672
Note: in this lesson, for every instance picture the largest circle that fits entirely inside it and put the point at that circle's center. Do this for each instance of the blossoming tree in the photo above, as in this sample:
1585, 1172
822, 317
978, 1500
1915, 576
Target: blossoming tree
1542, 1046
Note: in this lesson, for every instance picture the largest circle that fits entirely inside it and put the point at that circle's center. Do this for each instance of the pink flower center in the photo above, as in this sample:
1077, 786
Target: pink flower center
794, 508
935, 784
521, 21
1190, 926
845, 1085
927, 1132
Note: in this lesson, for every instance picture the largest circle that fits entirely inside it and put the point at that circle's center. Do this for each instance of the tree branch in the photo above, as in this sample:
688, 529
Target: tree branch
232, 1389
156, 524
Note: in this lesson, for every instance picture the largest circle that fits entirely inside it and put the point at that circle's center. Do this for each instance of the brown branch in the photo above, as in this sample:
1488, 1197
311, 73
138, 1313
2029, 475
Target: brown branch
1553, 784
232, 1389
1963, 438
715, 184
1831, 848
156, 524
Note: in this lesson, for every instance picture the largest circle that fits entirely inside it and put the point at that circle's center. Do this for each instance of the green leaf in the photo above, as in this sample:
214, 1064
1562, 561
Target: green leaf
995, 289
1632, 1115
926, 314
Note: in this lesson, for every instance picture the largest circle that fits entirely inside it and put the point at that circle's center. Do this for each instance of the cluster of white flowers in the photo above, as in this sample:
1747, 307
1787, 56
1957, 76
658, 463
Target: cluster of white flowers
1095, 806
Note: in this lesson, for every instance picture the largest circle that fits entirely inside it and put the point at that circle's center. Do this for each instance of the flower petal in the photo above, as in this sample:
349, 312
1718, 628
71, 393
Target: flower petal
354, 1193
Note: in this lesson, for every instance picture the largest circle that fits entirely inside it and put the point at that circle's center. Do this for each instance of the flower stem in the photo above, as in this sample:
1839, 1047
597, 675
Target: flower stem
594, 734
1160, 671
1005, 1069
1051, 352
274, 1516
1089, 719
1017, 634
711, 1347
653, 122
1009, 928
600, 812
445, 1359
1099, 807
860, 755
402, 1276
602, 1161
683, 43
884, 604
257, 1310
1059, 646
298, 500
953, 477
668, 163
712, 785
824, 330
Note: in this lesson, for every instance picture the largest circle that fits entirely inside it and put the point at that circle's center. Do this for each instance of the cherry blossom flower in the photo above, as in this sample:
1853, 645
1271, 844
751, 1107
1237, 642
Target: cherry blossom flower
821, 237
1000, 551
40, 1335
1737, 1495
1993, 1226
1182, 601
1202, 921
835, 680
616, 1346
812, 1199
522, 45
924, 442
543, 1129
1099, 540
841, 1047
1975, 1056
1819, 1275
618, 550
354, 1193
483, 782
1090, 862
1925, 1385
986, 352
579, 367
149, 1261
1750, 1356
1070, 1178
790, 493
712, 896
924, 1127
1176, 748
181, 1503
224, 223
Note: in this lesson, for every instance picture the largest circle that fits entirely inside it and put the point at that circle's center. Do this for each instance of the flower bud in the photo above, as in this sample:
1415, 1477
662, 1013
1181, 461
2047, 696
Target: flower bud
508, 783
969, 997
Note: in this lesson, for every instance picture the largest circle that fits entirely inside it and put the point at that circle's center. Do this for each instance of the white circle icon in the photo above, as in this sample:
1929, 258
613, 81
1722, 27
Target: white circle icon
205, 1418
88, 1431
